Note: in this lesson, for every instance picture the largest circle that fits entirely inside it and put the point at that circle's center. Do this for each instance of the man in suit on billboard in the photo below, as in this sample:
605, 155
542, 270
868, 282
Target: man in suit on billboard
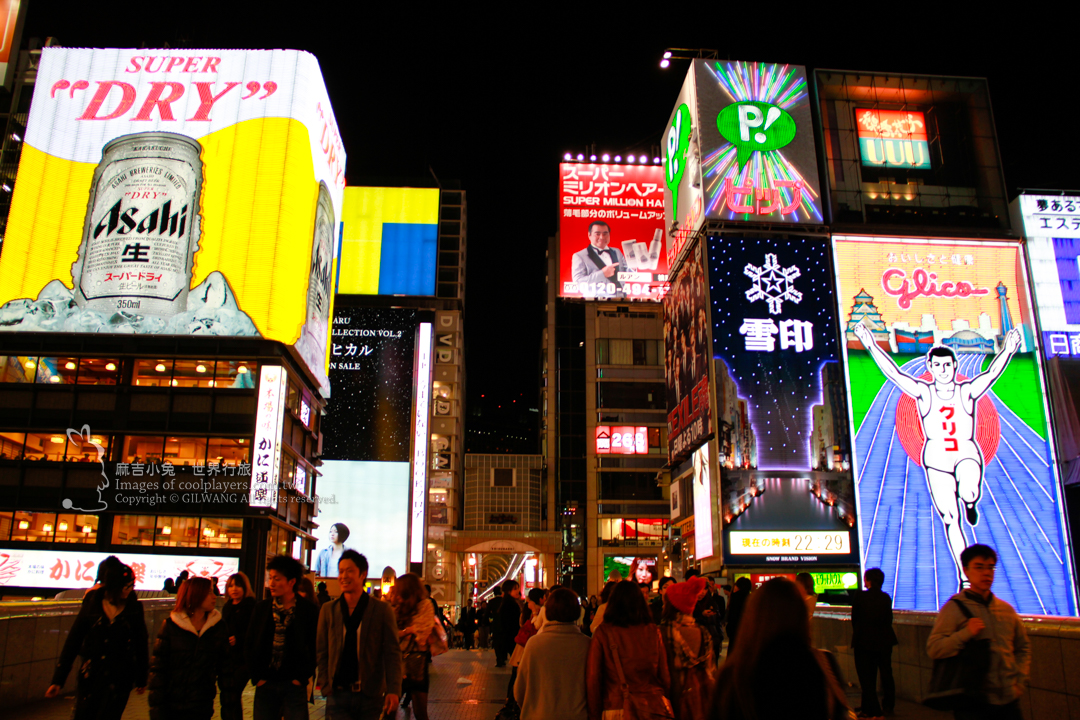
598, 264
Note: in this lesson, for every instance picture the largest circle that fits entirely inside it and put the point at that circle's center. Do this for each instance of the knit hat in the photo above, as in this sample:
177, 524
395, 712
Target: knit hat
684, 595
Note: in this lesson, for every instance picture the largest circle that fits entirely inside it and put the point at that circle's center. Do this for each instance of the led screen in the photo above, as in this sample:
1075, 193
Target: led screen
372, 356
1052, 228
893, 138
951, 436
740, 142
622, 440
637, 569
611, 232
363, 506
786, 492
686, 362
193, 192
703, 504
70, 569
389, 241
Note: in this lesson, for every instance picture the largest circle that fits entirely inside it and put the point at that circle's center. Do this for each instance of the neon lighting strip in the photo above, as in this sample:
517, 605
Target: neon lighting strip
420, 443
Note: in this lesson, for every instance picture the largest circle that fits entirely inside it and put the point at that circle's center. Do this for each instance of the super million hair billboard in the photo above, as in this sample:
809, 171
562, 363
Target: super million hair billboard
193, 192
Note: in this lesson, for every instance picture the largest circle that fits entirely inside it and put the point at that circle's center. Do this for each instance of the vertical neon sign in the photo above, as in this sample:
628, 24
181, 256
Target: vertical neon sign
420, 442
266, 462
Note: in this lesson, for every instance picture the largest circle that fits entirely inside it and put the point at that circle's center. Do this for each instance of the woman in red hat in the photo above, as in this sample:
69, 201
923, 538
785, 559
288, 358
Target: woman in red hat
689, 650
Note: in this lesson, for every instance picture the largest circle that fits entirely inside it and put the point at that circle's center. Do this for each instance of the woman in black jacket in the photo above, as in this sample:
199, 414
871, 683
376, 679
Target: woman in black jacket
188, 655
109, 634
236, 615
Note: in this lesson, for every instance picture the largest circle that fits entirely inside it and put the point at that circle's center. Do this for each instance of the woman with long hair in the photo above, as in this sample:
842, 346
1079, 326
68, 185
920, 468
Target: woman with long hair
627, 652
326, 561
235, 616
416, 621
188, 655
109, 634
775, 643
641, 570
689, 650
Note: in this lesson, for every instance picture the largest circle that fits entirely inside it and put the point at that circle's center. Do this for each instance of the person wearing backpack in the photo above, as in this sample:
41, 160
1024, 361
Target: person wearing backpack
975, 613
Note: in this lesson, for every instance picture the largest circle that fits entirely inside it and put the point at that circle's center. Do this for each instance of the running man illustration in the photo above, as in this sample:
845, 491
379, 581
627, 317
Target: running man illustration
951, 457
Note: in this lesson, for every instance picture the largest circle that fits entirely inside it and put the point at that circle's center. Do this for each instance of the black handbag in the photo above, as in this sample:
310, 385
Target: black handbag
956, 682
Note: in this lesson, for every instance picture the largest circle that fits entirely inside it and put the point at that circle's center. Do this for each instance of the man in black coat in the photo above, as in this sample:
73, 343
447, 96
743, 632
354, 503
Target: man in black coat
280, 648
508, 621
872, 639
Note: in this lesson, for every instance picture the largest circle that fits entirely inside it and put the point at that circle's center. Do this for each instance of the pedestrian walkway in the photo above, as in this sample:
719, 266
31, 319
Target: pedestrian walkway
465, 685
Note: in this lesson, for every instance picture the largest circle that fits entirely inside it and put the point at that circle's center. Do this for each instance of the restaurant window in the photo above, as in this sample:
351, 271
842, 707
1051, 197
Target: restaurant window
235, 374
45, 446
81, 449
279, 541
229, 451
56, 371
176, 531
193, 373
185, 451
33, 527
76, 528
292, 400
133, 530
6, 520
11, 445
152, 373
143, 448
221, 533
288, 470
14, 369
99, 371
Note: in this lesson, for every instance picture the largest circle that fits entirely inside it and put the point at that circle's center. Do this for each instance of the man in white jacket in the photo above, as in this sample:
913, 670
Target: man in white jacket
992, 619
554, 658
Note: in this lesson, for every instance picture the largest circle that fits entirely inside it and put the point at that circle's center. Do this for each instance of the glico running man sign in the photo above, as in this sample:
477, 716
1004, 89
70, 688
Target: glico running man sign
181, 193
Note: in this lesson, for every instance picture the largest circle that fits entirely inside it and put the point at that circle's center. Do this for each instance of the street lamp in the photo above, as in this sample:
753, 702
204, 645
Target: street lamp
686, 54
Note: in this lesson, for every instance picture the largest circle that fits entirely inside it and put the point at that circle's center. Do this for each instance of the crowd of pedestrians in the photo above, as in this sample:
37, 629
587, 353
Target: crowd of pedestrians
623, 656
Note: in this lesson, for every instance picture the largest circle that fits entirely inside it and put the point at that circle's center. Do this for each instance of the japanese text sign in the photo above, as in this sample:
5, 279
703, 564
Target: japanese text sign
269, 419
78, 569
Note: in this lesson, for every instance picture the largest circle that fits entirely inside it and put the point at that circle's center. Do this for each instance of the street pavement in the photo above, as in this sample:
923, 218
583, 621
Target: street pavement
465, 685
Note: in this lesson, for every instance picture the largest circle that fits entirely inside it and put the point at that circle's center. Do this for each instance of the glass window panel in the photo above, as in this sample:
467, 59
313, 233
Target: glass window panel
46, 446
175, 531
186, 451
142, 448
81, 450
99, 371
221, 533
152, 373
86, 526
11, 445
622, 352
193, 373
235, 374
14, 369
229, 451
133, 530
34, 527
57, 370
6, 519
602, 351
652, 352
292, 401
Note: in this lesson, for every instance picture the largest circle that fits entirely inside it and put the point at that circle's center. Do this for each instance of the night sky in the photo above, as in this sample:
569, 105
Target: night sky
494, 99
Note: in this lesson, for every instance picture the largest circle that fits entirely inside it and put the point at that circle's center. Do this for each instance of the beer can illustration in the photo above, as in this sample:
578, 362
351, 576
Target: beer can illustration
142, 226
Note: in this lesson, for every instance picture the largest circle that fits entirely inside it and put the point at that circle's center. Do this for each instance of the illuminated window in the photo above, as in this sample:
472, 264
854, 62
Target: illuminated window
292, 400
221, 533
56, 371
11, 445
99, 371
85, 450
229, 451
235, 374
185, 451
143, 448
46, 446
133, 530
288, 470
14, 369
193, 373
6, 521
152, 373
76, 528
176, 531
33, 527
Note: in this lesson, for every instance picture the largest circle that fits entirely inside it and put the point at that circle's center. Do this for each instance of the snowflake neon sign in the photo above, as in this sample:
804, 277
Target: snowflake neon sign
773, 284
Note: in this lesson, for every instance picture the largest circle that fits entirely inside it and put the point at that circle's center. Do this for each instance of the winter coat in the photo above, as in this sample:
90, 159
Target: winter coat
184, 667
299, 660
235, 618
112, 652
